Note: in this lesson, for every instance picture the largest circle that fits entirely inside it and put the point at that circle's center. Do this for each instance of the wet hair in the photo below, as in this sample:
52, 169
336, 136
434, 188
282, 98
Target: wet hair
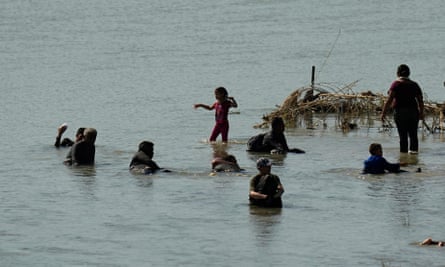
277, 122
146, 146
403, 71
222, 91
90, 135
374, 147
80, 131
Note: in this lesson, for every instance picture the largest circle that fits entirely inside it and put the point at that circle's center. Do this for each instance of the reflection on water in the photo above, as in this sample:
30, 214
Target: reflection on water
405, 193
85, 171
144, 180
264, 221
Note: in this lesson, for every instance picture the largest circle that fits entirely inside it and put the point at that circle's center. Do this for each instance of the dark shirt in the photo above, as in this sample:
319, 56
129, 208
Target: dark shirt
274, 140
267, 185
378, 164
140, 159
405, 93
82, 153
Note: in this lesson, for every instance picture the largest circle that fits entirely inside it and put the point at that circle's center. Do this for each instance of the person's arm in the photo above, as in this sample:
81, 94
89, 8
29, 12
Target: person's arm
62, 128
420, 103
296, 150
279, 191
387, 104
208, 107
153, 165
57, 143
392, 167
252, 193
233, 103
256, 195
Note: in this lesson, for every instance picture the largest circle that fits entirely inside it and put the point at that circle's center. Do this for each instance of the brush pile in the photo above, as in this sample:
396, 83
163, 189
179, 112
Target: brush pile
348, 106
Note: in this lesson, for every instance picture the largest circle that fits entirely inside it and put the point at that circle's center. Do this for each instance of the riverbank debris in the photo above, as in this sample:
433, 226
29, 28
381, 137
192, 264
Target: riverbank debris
350, 108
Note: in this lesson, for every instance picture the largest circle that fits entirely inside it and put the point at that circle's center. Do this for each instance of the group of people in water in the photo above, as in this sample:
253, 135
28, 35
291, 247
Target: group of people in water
405, 99
83, 150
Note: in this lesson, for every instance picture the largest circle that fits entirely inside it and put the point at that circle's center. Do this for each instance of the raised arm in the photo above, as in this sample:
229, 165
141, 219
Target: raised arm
208, 107
233, 102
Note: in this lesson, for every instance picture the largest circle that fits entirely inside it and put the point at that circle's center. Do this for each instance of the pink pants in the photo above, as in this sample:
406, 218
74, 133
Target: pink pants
220, 128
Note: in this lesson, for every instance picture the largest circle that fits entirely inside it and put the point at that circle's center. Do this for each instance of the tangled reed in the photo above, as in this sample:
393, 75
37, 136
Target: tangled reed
347, 106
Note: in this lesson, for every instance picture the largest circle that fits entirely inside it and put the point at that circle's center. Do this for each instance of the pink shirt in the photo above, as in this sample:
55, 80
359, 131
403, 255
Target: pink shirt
222, 111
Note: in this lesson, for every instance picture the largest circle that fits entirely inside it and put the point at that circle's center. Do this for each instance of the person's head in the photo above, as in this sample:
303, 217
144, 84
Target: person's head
376, 149
277, 124
221, 93
79, 134
403, 71
90, 135
263, 165
147, 148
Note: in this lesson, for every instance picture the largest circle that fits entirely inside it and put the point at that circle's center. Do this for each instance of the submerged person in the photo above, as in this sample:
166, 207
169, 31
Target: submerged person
83, 152
66, 142
227, 163
405, 97
430, 242
142, 161
221, 106
265, 188
377, 164
273, 142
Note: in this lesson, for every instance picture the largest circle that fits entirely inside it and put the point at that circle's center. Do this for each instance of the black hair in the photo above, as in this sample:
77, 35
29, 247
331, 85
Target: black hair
146, 145
374, 147
222, 90
276, 122
80, 131
403, 71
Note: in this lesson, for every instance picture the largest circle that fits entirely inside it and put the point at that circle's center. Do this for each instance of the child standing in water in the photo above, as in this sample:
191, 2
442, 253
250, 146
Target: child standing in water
221, 106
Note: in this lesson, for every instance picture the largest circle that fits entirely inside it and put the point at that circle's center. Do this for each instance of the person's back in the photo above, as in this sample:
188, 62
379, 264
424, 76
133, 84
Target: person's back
83, 152
225, 164
406, 92
142, 160
376, 163
274, 140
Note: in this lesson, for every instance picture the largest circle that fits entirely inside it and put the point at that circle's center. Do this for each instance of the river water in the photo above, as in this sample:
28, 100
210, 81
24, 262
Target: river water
133, 69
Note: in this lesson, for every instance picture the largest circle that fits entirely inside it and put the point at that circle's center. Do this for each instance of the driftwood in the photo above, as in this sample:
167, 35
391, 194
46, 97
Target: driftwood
348, 107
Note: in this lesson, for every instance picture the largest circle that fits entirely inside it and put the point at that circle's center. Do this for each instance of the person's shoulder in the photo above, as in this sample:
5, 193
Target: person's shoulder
274, 176
395, 83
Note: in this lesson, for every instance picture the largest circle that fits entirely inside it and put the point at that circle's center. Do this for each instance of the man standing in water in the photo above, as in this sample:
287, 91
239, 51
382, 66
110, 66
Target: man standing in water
265, 188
